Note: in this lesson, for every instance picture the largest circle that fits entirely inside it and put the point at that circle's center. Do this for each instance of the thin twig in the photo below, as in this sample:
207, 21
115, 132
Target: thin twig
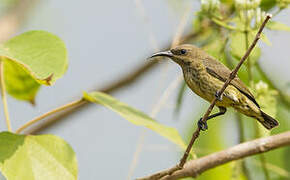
136, 155
196, 167
232, 76
143, 14
3, 94
157, 107
141, 139
181, 27
61, 108
264, 168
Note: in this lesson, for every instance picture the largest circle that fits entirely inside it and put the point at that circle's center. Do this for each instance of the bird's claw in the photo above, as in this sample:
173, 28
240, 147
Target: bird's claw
202, 125
219, 98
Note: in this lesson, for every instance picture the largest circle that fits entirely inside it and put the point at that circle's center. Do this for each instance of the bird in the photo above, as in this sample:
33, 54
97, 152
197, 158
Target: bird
205, 76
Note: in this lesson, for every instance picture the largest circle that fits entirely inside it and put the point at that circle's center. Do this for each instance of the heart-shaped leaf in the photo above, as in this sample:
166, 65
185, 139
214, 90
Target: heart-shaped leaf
36, 157
41, 54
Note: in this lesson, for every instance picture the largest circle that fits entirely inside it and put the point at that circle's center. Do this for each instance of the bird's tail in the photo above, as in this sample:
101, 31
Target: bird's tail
267, 121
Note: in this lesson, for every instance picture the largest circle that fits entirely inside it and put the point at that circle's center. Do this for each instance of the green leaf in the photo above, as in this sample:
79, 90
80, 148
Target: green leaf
223, 24
266, 5
274, 25
268, 102
135, 116
265, 39
19, 83
238, 46
36, 157
41, 54
266, 97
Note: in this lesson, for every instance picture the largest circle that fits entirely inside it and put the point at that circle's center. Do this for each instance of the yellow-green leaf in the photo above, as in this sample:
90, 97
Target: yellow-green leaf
42, 157
274, 25
238, 46
19, 83
135, 116
41, 54
268, 102
265, 39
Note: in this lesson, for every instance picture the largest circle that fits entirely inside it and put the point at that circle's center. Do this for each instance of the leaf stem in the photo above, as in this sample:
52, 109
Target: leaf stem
220, 23
61, 108
3, 94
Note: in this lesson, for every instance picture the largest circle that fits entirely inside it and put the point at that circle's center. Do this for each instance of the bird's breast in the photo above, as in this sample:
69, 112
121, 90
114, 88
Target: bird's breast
198, 81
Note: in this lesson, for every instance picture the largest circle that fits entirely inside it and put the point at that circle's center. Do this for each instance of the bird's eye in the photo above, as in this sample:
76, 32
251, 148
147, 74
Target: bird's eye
183, 51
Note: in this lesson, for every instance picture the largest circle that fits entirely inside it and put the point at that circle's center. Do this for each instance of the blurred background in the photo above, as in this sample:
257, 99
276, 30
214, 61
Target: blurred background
106, 40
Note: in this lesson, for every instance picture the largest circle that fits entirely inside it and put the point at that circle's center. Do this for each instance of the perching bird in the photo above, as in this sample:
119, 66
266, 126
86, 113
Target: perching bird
205, 76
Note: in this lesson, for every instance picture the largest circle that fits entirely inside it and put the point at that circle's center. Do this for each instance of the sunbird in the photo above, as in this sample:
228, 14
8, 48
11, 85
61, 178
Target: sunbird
205, 76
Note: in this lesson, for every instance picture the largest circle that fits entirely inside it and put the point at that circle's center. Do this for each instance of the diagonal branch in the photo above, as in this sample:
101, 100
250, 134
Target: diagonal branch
219, 93
194, 168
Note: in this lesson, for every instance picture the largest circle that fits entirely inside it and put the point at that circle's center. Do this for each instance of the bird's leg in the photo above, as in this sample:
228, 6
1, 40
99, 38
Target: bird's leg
203, 125
220, 98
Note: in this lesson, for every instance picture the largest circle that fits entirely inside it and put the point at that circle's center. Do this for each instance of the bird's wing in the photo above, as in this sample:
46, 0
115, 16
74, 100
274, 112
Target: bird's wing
221, 72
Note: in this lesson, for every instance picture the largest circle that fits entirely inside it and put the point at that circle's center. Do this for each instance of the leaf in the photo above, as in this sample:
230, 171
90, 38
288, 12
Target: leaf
266, 5
268, 102
216, 49
266, 97
274, 25
41, 54
238, 46
19, 83
223, 24
265, 39
42, 157
135, 116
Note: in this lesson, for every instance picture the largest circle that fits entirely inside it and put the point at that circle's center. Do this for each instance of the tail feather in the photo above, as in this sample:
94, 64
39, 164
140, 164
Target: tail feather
267, 121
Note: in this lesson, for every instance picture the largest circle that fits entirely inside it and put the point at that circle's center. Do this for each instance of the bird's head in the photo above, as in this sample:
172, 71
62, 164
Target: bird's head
183, 55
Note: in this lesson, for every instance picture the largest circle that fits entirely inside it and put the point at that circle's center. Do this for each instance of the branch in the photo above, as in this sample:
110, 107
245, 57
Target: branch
196, 133
123, 82
220, 92
194, 168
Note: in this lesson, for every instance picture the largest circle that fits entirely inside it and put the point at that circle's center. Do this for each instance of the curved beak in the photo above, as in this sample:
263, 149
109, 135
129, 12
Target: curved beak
164, 54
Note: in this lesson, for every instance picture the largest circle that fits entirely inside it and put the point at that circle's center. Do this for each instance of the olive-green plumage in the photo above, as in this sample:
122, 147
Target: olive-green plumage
205, 76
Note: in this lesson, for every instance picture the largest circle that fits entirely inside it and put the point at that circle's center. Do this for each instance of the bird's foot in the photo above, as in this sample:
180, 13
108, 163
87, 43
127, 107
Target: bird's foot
202, 125
219, 98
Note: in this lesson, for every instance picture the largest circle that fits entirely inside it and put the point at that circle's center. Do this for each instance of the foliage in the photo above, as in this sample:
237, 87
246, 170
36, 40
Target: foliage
36, 157
227, 27
231, 26
30, 60
136, 117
